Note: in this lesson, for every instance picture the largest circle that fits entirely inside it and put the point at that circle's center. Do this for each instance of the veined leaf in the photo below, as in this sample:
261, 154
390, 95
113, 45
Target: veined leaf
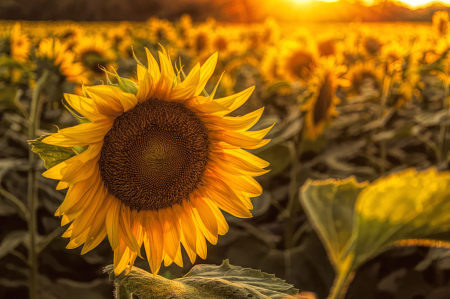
51, 154
203, 281
359, 221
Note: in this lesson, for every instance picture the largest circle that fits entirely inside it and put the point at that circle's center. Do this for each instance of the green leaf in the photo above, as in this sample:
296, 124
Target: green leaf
51, 154
7, 95
358, 222
6, 61
203, 281
329, 205
11, 241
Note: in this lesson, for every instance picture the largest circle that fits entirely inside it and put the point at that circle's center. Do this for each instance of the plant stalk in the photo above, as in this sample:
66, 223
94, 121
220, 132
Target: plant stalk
293, 204
384, 97
33, 124
443, 130
341, 283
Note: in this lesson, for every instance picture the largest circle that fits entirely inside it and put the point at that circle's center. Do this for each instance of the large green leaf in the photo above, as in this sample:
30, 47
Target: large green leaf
51, 154
330, 207
357, 222
203, 281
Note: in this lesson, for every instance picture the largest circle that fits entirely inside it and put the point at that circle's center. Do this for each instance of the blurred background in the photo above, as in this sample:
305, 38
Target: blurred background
354, 88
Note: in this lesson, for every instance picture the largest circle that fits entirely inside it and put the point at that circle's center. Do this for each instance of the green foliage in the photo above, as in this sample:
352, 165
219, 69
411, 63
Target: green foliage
51, 154
203, 281
11, 241
358, 221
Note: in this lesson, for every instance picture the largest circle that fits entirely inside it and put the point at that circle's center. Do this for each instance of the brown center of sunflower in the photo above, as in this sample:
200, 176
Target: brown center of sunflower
154, 155
91, 59
301, 64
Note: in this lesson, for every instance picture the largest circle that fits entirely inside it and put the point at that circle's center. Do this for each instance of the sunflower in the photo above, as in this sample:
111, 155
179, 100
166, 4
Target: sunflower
270, 32
372, 45
365, 73
200, 41
94, 51
297, 62
321, 104
118, 34
269, 65
440, 22
159, 166
161, 31
71, 35
19, 44
55, 55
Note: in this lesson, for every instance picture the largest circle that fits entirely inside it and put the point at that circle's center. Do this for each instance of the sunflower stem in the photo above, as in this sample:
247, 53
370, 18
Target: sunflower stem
384, 97
443, 129
341, 283
293, 204
33, 124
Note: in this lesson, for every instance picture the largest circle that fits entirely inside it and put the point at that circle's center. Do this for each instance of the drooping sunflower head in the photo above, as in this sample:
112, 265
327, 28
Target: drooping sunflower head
297, 62
440, 22
19, 44
161, 161
93, 51
320, 106
54, 55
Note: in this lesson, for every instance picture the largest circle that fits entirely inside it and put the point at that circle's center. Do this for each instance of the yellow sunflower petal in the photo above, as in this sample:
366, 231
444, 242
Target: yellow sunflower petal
238, 139
206, 72
84, 106
205, 219
188, 225
235, 101
146, 87
112, 222
171, 231
153, 67
154, 242
87, 133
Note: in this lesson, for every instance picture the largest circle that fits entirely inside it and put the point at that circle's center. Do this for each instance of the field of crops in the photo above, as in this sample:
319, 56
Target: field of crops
346, 99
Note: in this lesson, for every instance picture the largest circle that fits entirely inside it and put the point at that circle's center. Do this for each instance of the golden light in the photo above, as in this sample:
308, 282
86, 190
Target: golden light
409, 3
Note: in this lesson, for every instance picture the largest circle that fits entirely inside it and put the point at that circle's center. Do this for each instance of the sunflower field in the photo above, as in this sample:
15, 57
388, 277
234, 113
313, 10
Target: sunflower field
177, 159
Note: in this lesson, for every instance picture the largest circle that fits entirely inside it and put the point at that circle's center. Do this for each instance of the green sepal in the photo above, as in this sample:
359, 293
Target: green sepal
124, 84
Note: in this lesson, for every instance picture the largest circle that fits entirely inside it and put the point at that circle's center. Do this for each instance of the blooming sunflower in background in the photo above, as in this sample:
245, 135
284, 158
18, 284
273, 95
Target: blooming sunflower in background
161, 31
366, 78
440, 22
321, 105
372, 45
297, 62
269, 65
19, 44
55, 55
93, 51
200, 41
160, 164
